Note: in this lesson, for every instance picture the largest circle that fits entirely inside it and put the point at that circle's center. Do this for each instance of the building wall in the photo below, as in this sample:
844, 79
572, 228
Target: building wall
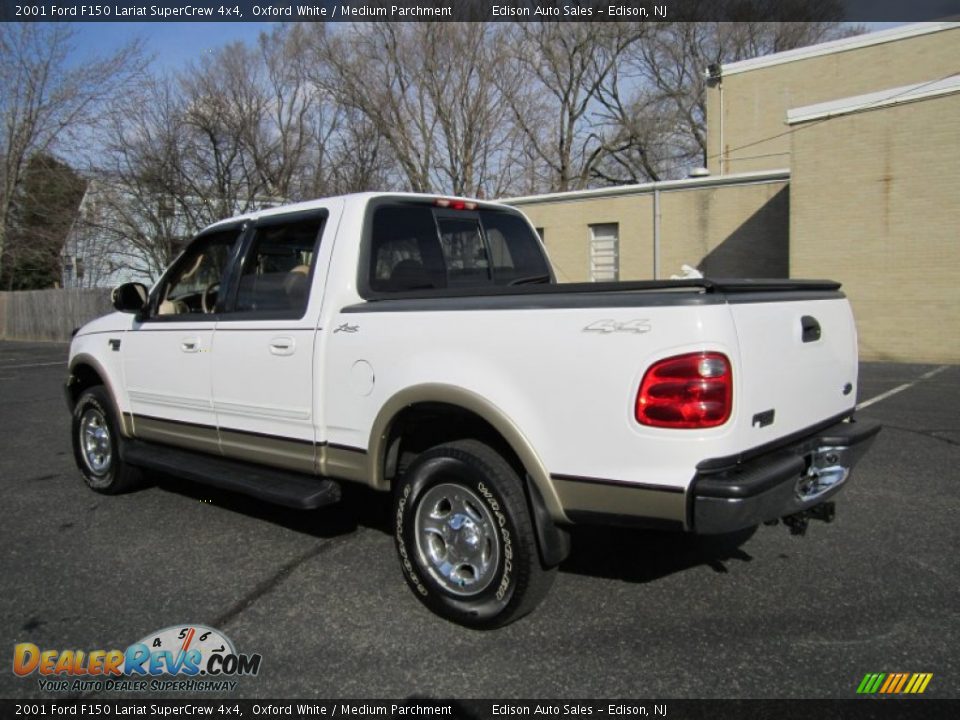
755, 101
566, 233
727, 231
731, 230
874, 198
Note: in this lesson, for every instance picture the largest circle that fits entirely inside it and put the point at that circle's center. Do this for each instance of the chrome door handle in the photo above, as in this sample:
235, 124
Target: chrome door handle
282, 346
190, 345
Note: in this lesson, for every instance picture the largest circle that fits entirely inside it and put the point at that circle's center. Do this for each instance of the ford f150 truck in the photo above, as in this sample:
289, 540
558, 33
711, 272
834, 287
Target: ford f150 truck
421, 346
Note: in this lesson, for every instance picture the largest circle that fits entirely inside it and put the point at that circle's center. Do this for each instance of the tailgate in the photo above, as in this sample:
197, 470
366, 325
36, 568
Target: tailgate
798, 363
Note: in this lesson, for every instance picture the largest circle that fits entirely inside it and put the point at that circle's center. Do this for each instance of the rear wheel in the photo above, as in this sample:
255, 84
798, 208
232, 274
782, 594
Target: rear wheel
96, 448
465, 537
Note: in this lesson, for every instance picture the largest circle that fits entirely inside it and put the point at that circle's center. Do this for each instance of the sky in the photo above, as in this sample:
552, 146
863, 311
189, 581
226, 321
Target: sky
172, 45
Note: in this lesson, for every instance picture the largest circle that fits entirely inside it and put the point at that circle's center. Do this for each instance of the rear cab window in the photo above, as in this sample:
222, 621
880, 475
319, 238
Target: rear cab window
426, 247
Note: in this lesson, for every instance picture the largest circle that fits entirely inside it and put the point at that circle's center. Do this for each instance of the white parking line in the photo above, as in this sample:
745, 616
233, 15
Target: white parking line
901, 388
30, 365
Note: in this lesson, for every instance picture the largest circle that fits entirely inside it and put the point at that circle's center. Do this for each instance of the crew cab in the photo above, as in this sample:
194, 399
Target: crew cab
421, 346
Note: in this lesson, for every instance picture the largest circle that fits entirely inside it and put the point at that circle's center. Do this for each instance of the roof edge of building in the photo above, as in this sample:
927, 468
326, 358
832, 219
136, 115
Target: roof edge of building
842, 45
748, 178
874, 100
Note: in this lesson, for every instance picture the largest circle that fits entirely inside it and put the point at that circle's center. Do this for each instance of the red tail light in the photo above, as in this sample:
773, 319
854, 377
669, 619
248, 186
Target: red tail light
686, 391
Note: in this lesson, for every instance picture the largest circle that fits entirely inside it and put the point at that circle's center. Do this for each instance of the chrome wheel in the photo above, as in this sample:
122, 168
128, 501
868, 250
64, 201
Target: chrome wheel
457, 540
95, 441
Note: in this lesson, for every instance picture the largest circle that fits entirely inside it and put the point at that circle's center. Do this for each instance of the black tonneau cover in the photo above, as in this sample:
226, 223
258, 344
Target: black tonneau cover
641, 293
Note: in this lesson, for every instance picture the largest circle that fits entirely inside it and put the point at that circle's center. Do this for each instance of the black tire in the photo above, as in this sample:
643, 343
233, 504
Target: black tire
96, 444
465, 538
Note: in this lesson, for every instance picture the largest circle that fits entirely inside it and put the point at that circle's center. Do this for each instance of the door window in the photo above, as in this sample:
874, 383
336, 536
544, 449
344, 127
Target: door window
192, 287
277, 269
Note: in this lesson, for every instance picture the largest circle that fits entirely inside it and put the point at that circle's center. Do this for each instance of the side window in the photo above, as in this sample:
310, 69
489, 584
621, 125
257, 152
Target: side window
278, 267
193, 286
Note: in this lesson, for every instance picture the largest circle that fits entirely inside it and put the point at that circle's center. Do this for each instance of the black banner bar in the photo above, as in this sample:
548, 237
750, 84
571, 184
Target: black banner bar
474, 10
899, 708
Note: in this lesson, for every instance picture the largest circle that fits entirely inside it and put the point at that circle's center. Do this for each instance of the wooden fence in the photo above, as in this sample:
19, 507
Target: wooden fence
50, 314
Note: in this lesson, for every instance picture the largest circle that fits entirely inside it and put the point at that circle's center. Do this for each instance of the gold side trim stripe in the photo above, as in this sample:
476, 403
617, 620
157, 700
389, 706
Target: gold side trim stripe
306, 456
621, 499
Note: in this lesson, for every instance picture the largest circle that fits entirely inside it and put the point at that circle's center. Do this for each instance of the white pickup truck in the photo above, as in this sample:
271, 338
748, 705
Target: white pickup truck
420, 345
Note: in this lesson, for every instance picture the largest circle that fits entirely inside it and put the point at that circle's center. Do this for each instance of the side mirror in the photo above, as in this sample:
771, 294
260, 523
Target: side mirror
130, 297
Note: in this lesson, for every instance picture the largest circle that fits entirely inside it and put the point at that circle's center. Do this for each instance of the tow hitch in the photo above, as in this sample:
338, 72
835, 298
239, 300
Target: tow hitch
798, 522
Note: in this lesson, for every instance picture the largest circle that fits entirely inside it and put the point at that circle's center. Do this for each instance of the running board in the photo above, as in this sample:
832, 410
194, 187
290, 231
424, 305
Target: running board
281, 487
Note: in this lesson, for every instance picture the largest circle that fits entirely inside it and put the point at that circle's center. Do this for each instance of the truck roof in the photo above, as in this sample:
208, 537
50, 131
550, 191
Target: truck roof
363, 197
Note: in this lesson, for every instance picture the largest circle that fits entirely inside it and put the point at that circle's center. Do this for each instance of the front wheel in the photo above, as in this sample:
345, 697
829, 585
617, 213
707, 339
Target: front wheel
96, 444
465, 537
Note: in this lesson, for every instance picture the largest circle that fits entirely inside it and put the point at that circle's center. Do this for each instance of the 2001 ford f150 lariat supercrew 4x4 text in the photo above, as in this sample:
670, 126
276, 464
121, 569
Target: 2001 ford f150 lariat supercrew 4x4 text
421, 346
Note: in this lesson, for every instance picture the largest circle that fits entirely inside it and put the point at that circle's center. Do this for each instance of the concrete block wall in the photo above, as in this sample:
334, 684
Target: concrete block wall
755, 102
874, 200
730, 230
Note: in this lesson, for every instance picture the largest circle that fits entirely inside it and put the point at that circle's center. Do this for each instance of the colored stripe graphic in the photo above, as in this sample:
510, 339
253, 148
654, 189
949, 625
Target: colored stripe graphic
871, 683
894, 683
891, 680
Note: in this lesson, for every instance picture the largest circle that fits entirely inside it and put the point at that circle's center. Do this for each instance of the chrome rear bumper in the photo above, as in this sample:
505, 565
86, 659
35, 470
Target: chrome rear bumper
780, 482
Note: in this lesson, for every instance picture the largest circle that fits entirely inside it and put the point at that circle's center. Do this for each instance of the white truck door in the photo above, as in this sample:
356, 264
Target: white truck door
166, 358
262, 363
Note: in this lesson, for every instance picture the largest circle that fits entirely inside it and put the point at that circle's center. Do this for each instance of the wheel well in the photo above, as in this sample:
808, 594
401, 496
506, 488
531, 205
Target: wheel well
425, 425
82, 376
422, 426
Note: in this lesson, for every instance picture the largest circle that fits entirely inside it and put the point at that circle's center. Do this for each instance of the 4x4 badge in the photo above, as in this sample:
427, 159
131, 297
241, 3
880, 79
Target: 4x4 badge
612, 326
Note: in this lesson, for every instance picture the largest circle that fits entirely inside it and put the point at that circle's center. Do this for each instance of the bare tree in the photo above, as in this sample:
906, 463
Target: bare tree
476, 140
239, 130
428, 90
641, 137
370, 70
143, 204
562, 67
279, 118
674, 59
353, 158
45, 101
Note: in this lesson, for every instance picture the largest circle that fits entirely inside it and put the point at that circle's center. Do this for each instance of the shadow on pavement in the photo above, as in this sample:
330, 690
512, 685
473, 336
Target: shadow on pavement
359, 507
627, 554
641, 556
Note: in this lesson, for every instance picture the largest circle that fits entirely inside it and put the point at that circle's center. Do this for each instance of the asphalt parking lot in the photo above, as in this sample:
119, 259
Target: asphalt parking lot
632, 614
